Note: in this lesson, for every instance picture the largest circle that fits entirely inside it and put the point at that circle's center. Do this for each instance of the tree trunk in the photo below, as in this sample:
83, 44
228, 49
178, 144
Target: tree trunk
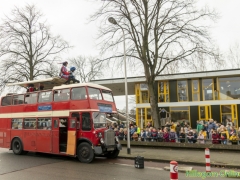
154, 104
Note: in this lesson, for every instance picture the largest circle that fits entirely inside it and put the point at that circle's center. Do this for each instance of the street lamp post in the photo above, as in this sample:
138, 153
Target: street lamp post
113, 21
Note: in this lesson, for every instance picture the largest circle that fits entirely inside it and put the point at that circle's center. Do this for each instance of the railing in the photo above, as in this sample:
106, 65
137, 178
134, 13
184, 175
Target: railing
129, 117
185, 140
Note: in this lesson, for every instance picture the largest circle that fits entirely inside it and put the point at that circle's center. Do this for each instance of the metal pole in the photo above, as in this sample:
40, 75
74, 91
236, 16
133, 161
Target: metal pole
113, 21
126, 93
141, 119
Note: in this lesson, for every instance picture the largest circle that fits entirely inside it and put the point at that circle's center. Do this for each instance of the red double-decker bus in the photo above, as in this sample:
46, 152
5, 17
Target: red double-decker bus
61, 119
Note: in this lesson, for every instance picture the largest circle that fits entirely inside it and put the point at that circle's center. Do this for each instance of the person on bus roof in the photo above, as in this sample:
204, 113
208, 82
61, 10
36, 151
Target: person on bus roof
64, 72
30, 88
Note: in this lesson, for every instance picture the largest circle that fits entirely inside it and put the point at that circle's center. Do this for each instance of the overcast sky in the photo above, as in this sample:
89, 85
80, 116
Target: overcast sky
69, 18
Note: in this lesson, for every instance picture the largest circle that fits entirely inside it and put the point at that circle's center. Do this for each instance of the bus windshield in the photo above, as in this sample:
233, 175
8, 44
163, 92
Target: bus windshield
99, 119
107, 95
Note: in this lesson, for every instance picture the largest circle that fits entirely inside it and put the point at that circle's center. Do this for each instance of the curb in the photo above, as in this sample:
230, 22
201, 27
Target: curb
183, 146
231, 166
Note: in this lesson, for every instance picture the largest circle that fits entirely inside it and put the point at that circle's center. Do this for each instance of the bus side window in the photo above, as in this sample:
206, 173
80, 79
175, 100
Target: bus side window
17, 123
6, 101
18, 99
30, 123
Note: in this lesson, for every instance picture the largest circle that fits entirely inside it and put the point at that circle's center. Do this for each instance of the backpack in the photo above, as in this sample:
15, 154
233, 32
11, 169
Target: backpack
171, 135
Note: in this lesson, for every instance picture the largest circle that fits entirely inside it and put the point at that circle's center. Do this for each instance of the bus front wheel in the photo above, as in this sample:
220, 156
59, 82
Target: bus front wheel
17, 146
85, 153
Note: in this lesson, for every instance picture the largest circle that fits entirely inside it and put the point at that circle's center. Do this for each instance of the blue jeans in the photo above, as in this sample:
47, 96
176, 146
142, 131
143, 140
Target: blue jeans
224, 141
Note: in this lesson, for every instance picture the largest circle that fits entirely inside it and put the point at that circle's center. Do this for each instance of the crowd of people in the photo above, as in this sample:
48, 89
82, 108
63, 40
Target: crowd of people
205, 132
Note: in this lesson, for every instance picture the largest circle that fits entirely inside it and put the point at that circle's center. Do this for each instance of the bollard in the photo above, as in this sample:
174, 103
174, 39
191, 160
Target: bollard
173, 170
207, 157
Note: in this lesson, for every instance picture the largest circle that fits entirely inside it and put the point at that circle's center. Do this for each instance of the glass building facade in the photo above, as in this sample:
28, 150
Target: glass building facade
192, 99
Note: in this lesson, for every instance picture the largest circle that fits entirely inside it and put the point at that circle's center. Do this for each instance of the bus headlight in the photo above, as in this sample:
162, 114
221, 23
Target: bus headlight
116, 138
102, 141
99, 135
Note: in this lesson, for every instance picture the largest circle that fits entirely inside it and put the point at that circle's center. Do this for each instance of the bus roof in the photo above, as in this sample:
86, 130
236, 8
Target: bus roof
55, 83
81, 84
48, 83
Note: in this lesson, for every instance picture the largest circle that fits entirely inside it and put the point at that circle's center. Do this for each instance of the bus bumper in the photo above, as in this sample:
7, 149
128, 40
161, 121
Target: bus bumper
98, 150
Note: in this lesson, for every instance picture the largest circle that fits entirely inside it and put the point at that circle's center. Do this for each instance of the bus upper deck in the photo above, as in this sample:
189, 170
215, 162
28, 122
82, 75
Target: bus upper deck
57, 96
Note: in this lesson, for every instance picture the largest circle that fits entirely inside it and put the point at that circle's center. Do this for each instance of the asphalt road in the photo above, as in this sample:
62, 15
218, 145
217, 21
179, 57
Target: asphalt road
35, 166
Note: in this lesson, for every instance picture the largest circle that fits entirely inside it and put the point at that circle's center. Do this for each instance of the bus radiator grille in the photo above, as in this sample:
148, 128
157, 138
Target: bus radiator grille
109, 137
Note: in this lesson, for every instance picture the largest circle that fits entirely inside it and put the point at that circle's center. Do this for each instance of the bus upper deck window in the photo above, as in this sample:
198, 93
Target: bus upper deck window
6, 101
78, 93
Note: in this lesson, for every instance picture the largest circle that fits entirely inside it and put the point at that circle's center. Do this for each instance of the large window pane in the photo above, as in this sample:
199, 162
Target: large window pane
195, 90
229, 88
145, 97
179, 114
207, 85
163, 92
182, 91
226, 108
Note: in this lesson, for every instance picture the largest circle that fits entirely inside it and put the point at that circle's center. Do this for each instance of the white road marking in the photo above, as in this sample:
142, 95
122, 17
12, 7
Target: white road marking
130, 165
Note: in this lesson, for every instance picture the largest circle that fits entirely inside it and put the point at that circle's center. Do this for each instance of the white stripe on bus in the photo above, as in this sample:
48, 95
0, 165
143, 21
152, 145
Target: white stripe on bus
45, 113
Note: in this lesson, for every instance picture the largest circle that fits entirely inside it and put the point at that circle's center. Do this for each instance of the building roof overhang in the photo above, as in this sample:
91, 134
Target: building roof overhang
117, 85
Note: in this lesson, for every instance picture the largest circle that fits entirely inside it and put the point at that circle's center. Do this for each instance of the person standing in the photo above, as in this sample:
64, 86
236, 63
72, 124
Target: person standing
199, 126
211, 127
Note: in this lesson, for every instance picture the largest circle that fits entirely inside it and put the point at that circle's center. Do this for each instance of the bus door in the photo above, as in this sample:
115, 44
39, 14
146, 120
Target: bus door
71, 136
55, 135
86, 126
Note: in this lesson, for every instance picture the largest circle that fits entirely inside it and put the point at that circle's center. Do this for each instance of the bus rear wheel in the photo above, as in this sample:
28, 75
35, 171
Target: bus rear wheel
17, 147
85, 153
113, 154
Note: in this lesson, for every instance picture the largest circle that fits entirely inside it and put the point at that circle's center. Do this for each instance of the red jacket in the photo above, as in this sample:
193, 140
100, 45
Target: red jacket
215, 138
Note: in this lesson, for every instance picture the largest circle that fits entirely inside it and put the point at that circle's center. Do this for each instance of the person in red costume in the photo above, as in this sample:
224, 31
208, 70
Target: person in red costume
64, 73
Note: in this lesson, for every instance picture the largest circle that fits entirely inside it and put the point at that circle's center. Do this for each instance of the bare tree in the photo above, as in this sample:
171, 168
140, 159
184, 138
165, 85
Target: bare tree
87, 68
158, 33
233, 56
27, 48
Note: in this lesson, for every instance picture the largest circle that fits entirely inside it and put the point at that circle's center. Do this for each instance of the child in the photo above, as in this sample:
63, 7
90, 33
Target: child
172, 136
135, 136
215, 137
234, 139
182, 136
201, 138
154, 134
